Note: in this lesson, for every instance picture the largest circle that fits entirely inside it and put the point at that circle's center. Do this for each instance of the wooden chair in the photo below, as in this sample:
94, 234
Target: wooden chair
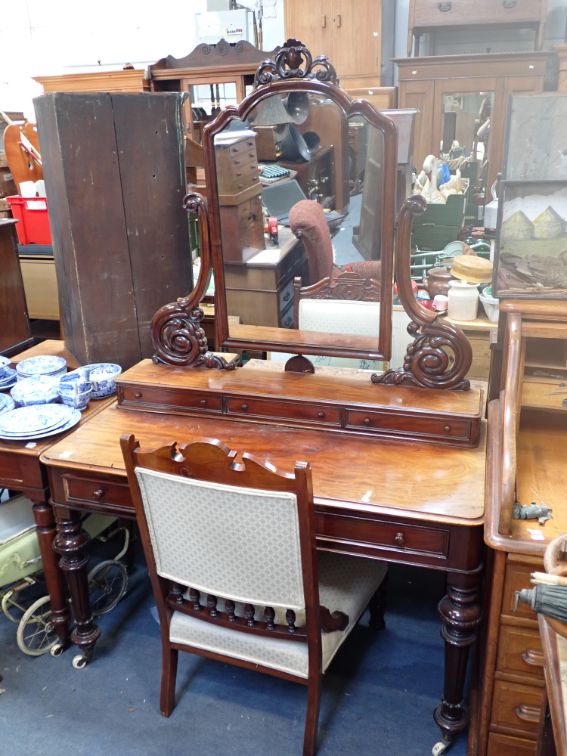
230, 548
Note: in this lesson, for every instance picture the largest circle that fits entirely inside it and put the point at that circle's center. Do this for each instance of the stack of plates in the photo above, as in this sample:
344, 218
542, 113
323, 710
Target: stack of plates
42, 365
9, 378
6, 403
37, 421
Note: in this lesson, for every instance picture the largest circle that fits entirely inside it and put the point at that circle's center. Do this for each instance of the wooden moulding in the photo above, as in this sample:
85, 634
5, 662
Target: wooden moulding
325, 402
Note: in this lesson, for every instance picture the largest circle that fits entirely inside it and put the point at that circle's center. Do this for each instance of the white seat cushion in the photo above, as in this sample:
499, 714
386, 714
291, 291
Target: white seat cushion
345, 583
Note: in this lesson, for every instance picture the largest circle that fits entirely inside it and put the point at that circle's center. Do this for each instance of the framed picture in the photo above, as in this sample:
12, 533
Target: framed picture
531, 260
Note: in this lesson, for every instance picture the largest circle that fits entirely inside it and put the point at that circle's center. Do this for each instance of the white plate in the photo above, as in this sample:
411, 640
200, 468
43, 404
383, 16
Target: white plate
6, 403
34, 419
73, 420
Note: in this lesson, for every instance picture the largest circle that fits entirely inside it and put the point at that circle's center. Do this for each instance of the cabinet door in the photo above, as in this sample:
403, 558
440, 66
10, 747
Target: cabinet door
311, 23
356, 42
419, 94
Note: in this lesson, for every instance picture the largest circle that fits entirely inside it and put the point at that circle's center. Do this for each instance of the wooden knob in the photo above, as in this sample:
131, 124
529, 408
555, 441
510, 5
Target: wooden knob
244, 406
98, 494
446, 428
138, 395
320, 413
399, 539
366, 421
203, 402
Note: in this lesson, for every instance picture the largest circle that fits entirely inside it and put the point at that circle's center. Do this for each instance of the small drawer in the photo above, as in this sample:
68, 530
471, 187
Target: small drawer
164, 398
390, 536
312, 413
409, 424
508, 745
519, 652
285, 297
79, 490
521, 707
518, 577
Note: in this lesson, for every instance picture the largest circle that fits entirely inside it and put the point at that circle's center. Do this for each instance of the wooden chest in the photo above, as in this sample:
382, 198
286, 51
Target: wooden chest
237, 165
114, 174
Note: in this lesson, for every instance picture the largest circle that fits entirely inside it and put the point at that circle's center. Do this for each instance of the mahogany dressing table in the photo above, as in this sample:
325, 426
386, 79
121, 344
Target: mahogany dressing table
398, 458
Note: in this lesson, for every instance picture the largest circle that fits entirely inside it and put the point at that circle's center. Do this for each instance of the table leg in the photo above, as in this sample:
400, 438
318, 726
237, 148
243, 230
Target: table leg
45, 522
461, 614
70, 542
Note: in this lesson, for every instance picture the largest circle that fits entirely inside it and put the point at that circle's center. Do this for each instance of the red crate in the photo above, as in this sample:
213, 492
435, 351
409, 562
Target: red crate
33, 227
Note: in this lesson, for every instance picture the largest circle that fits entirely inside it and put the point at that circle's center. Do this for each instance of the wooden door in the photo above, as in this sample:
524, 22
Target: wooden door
311, 23
418, 94
357, 42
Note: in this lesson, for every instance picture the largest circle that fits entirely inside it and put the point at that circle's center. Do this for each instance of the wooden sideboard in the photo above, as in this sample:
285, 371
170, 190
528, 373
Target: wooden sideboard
425, 82
527, 454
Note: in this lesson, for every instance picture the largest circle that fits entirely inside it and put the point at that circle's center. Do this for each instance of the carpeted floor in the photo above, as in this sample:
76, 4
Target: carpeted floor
377, 699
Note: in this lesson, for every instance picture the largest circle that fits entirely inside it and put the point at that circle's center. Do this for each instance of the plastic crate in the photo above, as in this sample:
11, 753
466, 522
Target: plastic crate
33, 227
439, 224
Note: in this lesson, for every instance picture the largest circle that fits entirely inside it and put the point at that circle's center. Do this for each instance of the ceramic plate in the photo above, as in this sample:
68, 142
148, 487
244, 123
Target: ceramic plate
34, 419
43, 365
6, 403
73, 420
9, 377
6, 386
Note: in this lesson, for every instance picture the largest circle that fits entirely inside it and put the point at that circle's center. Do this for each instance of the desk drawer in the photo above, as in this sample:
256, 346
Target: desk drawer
519, 652
312, 413
167, 399
518, 577
516, 706
507, 745
83, 490
360, 535
429, 427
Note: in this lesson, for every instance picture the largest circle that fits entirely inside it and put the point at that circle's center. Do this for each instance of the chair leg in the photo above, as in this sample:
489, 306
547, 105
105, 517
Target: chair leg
168, 677
377, 606
312, 716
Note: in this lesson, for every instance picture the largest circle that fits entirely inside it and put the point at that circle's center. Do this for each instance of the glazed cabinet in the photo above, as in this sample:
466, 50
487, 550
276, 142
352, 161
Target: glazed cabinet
527, 454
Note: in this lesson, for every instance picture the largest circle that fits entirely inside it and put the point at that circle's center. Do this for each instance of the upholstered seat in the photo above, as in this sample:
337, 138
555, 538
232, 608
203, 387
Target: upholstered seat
230, 548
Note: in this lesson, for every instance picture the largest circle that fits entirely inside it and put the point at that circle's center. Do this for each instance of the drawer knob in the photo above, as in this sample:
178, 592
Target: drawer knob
138, 395
244, 406
400, 539
509, 3
203, 402
321, 414
444, 7
532, 657
367, 421
98, 494
528, 713
447, 428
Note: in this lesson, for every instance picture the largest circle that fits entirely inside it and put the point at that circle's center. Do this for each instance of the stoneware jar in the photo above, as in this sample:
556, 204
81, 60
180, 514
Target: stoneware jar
463, 300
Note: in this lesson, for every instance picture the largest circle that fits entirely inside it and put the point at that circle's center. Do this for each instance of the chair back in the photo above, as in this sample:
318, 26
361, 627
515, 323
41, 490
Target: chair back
240, 531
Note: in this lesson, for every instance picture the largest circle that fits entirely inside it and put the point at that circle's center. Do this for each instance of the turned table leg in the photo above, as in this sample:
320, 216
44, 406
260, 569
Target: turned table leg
45, 523
70, 542
460, 612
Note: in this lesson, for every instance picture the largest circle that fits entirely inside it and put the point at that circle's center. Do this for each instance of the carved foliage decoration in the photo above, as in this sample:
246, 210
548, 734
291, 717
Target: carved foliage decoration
440, 355
294, 61
177, 335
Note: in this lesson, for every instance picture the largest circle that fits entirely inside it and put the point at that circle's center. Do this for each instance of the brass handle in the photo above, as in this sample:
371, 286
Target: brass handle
527, 713
444, 7
532, 657
338, 20
446, 428
399, 539
98, 494
323, 22
509, 3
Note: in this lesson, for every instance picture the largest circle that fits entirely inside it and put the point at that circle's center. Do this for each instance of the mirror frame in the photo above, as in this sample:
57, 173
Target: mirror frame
440, 354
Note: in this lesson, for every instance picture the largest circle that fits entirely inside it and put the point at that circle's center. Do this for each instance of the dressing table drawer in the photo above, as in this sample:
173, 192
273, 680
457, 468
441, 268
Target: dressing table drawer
520, 652
518, 706
156, 397
81, 490
410, 425
292, 411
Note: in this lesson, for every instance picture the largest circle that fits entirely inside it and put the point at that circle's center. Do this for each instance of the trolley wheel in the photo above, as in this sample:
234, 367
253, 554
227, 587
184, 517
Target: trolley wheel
108, 582
57, 649
36, 632
11, 608
79, 661
441, 747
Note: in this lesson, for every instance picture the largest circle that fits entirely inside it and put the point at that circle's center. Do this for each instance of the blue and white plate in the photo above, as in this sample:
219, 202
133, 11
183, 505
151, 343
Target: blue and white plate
6, 386
42, 389
35, 419
44, 364
9, 375
6, 403
73, 420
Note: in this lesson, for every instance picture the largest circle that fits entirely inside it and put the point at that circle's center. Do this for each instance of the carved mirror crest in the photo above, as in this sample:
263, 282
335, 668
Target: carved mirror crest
315, 277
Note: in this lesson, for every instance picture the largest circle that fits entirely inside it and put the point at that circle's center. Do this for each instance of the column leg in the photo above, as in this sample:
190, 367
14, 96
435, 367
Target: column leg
461, 614
70, 542
45, 522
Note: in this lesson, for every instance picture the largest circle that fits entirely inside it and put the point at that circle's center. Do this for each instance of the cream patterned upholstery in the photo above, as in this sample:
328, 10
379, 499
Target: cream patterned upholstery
345, 583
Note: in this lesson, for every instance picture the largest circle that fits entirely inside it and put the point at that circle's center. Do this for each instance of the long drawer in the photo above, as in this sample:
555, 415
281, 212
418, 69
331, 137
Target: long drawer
431, 427
470, 12
320, 414
164, 399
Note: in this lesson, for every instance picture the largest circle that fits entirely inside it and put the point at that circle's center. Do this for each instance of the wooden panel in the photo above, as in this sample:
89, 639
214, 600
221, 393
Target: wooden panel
312, 23
40, 284
14, 323
419, 95
520, 652
516, 706
356, 39
507, 745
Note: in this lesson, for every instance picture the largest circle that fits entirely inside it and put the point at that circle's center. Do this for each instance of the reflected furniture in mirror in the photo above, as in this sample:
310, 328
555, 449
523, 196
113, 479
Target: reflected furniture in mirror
398, 457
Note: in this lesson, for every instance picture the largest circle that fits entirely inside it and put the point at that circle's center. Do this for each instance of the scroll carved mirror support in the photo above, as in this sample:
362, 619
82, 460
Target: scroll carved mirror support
341, 145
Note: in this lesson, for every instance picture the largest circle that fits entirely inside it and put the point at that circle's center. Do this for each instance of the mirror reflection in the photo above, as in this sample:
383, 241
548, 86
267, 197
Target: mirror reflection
300, 192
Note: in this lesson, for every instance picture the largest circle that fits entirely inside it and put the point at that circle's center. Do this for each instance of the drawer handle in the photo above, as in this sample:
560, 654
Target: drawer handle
244, 406
444, 7
400, 539
527, 713
367, 421
447, 428
203, 402
98, 494
509, 3
321, 414
138, 395
532, 657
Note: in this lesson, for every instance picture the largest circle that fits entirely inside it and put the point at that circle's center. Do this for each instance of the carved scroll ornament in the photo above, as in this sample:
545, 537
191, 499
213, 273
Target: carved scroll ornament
294, 61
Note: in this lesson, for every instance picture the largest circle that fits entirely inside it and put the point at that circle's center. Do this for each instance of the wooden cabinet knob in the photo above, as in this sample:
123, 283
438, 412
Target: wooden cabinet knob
366, 421
399, 539
244, 406
321, 414
532, 657
447, 428
203, 402
528, 713
98, 494
138, 395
